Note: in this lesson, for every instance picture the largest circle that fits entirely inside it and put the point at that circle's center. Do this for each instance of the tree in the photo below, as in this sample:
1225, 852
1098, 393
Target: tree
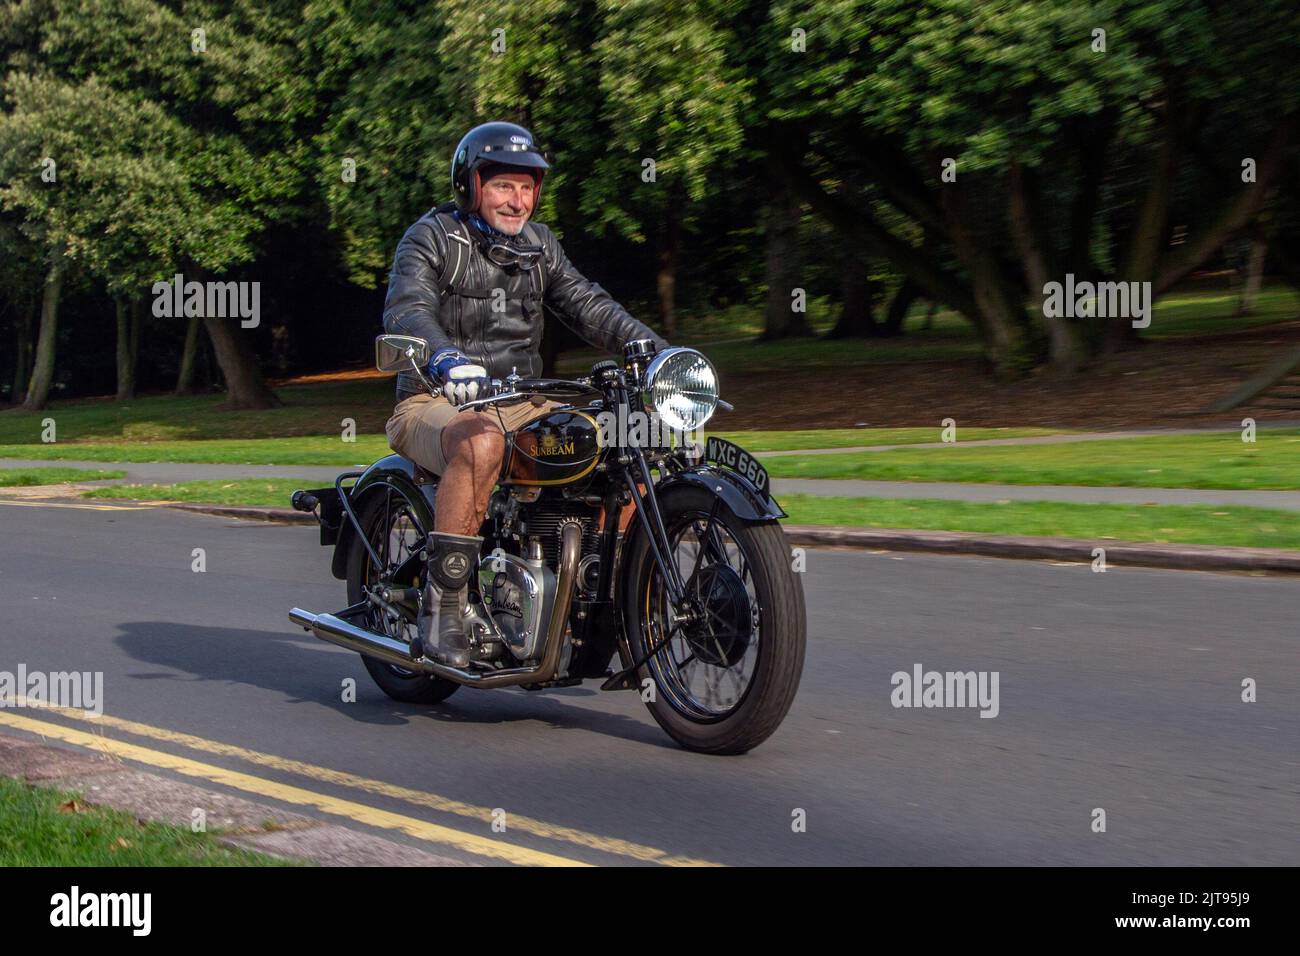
235, 101
380, 157
20, 283
80, 164
1007, 134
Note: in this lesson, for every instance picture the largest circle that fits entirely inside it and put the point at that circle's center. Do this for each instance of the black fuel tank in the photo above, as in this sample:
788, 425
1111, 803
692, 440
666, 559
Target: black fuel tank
555, 449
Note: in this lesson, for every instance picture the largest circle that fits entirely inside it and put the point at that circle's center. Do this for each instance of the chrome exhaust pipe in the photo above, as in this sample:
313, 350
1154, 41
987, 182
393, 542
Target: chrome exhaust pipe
335, 630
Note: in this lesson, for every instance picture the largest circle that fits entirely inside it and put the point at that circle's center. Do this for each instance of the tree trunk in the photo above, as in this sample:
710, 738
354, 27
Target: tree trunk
1149, 231
23, 320
857, 319
189, 355
855, 221
1091, 144
43, 370
666, 279
137, 322
245, 387
784, 211
1002, 316
1254, 276
1066, 345
902, 301
1235, 216
127, 317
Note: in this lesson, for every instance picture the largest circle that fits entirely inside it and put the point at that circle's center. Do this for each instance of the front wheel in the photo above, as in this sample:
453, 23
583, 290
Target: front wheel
721, 684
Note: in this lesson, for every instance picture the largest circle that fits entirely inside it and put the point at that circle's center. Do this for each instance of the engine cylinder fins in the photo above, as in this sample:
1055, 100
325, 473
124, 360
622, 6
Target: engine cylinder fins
544, 523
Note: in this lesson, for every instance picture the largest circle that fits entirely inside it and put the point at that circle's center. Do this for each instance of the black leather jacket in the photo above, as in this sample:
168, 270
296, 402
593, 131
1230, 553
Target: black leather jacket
422, 302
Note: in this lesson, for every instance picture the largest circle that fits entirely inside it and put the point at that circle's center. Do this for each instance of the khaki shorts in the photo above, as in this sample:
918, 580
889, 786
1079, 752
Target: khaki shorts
415, 430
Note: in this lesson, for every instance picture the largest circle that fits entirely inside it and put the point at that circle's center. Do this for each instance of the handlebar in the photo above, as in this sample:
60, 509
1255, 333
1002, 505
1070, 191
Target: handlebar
524, 389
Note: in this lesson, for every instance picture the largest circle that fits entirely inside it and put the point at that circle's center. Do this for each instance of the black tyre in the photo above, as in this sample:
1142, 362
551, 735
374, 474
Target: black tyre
723, 685
394, 531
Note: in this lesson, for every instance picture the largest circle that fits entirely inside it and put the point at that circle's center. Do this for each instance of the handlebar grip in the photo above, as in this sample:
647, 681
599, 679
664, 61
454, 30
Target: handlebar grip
304, 501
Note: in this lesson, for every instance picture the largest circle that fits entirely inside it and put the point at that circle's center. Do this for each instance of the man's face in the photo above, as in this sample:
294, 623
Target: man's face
507, 201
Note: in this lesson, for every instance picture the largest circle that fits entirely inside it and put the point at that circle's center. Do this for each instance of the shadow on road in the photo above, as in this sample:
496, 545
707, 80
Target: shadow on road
305, 670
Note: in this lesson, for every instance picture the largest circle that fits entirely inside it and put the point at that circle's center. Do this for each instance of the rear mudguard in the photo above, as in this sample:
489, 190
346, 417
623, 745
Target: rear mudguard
393, 472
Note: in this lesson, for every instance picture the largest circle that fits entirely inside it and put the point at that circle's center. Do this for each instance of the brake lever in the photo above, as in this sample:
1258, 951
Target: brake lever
496, 397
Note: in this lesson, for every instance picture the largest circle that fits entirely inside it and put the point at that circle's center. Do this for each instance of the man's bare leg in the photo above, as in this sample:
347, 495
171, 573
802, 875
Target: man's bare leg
473, 449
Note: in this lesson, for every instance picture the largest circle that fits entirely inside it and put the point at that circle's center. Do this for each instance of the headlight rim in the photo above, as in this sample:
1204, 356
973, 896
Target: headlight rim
656, 366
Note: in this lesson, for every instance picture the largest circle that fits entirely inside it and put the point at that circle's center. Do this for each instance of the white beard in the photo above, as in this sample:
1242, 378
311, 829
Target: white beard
507, 228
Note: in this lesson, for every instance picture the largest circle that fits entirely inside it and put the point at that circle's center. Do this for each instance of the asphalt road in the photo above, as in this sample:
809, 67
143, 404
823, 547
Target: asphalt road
1119, 691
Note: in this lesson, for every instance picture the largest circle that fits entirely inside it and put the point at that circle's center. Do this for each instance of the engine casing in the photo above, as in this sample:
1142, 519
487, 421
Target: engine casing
518, 592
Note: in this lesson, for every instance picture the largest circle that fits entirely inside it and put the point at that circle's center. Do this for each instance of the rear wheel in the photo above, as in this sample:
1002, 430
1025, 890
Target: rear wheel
395, 532
723, 683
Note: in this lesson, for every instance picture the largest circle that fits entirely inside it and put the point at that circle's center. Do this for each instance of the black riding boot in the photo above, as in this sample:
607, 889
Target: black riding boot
452, 559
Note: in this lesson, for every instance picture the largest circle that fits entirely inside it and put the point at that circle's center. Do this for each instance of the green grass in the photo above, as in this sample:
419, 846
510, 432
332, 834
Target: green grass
1220, 460
1171, 524
262, 492
27, 477
1209, 312
331, 450
849, 437
38, 829
316, 409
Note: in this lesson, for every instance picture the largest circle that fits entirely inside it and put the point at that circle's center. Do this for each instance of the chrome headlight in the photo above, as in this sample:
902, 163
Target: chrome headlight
681, 387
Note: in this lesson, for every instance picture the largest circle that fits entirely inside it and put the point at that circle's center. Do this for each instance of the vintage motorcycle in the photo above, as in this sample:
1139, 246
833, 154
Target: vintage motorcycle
698, 596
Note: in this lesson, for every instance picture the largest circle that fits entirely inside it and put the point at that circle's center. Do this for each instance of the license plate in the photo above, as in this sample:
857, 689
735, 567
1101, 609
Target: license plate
738, 460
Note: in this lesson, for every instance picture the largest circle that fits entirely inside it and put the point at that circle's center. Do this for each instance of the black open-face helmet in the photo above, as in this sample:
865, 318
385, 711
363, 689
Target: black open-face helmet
493, 143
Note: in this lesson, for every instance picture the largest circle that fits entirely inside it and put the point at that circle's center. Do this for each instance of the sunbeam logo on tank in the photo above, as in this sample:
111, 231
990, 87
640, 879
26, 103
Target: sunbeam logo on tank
922, 688
633, 429
76, 690
550, 446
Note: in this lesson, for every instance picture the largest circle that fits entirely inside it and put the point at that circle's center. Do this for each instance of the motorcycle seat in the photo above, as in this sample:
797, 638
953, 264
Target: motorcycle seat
423, 476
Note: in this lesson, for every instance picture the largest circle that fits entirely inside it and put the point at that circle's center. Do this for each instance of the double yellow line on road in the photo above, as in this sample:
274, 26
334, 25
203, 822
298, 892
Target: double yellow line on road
68, 504
360, 812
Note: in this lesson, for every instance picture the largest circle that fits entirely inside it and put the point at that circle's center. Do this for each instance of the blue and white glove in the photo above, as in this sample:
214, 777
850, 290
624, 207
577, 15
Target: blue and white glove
457, 377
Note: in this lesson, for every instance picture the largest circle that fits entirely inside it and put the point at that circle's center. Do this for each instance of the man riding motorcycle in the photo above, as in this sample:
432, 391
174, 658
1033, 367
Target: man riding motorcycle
471, 278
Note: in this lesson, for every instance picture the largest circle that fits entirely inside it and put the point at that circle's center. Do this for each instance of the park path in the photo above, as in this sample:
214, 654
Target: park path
170, 472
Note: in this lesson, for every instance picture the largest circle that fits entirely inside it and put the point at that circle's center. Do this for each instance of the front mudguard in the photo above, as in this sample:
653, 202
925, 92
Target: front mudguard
740, 494
398, 474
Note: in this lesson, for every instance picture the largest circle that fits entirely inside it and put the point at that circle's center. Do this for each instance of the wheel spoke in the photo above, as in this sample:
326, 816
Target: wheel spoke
699, 542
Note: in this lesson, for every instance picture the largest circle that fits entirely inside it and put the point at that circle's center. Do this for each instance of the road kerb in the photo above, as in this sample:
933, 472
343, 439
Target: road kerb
1186, 557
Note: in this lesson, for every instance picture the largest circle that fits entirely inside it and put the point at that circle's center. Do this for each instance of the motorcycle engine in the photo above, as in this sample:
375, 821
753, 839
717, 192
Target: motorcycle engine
518, 592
